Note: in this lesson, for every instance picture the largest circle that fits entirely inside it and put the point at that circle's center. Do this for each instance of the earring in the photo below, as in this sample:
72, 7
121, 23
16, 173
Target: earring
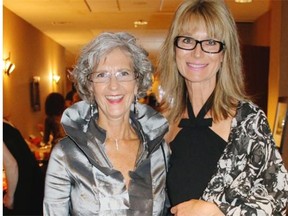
135, 106
91, 110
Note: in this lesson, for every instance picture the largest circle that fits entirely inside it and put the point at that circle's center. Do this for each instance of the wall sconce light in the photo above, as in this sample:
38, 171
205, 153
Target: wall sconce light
55, 78
8, 66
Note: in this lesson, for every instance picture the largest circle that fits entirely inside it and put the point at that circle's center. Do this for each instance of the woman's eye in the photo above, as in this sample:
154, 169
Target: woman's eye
124, 73
211, 42
187, 40
100, 75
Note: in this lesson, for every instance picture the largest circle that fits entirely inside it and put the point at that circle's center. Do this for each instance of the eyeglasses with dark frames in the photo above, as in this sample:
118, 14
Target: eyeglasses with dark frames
210, 46
105, 76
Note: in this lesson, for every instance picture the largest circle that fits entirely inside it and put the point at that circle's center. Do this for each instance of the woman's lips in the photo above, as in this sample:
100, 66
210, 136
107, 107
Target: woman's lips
196, 66
114, 98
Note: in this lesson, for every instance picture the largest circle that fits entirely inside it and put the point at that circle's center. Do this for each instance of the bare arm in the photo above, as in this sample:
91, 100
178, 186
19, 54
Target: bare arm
11, 170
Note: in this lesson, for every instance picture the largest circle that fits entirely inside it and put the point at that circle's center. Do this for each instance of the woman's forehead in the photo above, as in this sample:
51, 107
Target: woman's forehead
193, 23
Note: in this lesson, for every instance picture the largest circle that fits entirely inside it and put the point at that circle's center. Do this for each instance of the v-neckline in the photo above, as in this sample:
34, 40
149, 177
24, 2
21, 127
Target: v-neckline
199, 120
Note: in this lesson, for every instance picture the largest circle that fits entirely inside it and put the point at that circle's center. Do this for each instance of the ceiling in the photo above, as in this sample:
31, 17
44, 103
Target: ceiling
73, 23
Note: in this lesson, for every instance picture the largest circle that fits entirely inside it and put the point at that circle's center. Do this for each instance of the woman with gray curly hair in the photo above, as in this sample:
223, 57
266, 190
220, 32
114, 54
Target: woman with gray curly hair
113, 160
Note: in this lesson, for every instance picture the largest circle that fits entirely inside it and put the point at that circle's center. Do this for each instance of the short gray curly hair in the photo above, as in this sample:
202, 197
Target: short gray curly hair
101, 46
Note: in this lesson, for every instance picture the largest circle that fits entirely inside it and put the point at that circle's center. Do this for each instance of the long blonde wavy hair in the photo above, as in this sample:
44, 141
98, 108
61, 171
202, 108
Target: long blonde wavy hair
229, 88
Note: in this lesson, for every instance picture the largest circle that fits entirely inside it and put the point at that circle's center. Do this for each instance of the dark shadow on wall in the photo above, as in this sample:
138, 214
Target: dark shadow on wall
256, 70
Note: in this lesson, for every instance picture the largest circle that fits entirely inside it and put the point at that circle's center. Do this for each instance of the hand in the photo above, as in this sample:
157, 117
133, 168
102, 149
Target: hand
195, 207
8, 201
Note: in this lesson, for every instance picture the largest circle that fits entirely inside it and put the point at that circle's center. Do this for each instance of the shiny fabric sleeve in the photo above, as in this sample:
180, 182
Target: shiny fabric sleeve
57, 185
255, 179
167, 154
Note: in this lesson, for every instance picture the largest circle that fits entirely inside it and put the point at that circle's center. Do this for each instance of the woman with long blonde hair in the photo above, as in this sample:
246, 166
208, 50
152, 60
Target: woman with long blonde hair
224, 159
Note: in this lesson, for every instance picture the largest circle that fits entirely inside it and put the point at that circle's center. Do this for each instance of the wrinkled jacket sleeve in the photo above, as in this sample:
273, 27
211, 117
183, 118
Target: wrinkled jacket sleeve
257, 183
167, 153
57, 185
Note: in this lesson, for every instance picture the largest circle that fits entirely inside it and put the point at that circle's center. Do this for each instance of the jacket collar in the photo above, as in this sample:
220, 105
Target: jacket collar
79, 119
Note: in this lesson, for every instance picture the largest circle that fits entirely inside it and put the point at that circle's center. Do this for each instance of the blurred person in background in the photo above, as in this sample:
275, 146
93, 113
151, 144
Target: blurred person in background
24, 178
71, 98
113, 160
54, 107
224, 159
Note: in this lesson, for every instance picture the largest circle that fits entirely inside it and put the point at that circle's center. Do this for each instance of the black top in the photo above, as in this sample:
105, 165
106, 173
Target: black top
195, 152
29, 192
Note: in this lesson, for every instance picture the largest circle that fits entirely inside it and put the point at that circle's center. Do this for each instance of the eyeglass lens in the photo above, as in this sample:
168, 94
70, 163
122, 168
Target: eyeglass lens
121, 76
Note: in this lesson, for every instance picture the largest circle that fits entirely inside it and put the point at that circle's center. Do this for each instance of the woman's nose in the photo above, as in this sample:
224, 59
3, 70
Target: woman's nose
113, 82
197, 52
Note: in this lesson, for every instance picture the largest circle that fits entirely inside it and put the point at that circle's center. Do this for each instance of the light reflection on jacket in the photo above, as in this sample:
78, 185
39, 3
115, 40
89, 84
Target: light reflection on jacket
80, 179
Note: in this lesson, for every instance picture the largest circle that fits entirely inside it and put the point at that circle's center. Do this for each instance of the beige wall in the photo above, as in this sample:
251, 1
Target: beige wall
257, 33
278, 76
270, 31
283, 82
34, 54
278, 69
274, 69
260, 34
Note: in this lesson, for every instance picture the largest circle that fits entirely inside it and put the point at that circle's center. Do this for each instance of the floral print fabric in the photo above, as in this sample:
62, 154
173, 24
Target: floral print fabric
251, 178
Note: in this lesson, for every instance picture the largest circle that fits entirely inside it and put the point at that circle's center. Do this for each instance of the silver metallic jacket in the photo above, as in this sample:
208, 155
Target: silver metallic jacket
80, 179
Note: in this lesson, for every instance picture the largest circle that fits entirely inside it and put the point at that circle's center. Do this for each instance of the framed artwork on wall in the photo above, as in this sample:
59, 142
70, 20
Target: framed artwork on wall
280, 122
35, 93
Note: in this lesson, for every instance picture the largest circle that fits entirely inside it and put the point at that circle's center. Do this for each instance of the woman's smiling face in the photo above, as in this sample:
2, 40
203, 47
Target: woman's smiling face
114, 98
195, 65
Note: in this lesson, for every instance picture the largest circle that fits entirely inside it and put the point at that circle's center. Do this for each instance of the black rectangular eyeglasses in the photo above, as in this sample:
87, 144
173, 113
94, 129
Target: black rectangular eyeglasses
208, 46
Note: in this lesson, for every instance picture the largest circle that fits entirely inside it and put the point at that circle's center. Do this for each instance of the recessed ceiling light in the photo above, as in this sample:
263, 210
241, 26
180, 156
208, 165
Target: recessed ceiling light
243, 1
140, 23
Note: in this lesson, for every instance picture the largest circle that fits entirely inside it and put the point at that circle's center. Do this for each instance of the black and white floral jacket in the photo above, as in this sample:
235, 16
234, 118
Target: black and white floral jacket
251, 178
